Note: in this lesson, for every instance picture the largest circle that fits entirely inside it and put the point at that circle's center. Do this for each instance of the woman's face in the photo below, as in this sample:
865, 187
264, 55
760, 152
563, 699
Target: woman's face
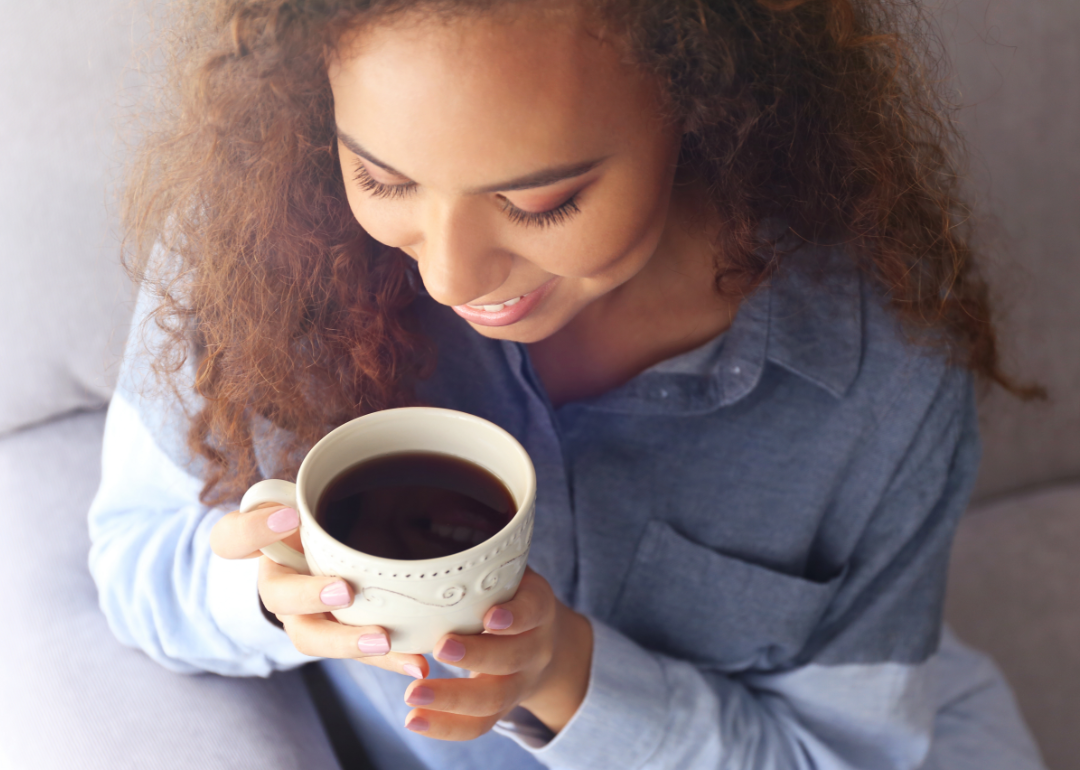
520, 162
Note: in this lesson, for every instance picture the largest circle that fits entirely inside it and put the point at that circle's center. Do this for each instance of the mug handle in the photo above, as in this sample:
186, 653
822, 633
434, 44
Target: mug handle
283, 493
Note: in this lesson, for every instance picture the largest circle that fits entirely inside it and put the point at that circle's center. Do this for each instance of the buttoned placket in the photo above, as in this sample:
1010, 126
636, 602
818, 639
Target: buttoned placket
555, 551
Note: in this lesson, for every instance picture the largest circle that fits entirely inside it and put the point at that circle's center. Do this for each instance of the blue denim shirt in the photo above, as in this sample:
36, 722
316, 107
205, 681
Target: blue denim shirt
757, 529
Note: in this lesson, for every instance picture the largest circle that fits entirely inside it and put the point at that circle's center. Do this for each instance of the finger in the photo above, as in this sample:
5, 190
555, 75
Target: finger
240, 535
533, 605
323, 636
448, 727
499, 655
400, 663
483, 696
286, 592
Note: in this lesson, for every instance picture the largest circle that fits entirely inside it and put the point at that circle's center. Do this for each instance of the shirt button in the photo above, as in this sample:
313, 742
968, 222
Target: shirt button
736, 370
663, 393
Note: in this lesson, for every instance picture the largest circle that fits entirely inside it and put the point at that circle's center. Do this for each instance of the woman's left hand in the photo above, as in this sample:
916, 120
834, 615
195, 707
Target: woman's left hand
535, 652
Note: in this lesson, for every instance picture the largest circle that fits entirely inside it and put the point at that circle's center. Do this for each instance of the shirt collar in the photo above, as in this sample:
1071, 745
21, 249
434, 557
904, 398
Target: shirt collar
807, 319
815, 325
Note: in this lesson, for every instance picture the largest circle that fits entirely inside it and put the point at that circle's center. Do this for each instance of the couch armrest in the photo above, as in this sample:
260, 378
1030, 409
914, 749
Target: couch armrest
84, 700
1014, 592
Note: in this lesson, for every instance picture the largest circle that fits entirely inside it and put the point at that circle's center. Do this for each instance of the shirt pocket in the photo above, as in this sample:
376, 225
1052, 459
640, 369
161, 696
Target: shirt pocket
718, 612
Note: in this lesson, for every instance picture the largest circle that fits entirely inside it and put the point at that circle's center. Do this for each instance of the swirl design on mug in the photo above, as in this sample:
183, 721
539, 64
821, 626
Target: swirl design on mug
373, 599
493, 579
451, 595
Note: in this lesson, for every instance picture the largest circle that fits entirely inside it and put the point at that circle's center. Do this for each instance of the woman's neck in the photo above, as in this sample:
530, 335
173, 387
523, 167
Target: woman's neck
670, 307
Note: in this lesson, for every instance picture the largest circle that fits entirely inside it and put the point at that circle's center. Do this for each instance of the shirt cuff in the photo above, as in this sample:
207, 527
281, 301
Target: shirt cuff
233, 598
526, 729
621, 720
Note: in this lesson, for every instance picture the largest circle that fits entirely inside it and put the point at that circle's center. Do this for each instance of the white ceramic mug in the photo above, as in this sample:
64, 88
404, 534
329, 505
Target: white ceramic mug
416, 601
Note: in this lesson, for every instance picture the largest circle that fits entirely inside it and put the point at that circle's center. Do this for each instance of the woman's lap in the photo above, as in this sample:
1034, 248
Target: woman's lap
356, 722
978, 726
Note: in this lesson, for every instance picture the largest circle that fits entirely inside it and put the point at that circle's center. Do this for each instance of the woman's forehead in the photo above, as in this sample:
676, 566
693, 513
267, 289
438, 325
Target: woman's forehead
486, 95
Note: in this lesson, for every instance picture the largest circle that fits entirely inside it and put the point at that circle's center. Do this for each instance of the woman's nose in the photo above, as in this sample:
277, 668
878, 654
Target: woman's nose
459, 259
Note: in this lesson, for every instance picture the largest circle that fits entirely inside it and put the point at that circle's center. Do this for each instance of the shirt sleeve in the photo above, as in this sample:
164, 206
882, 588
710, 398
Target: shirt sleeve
161, 588
848, 707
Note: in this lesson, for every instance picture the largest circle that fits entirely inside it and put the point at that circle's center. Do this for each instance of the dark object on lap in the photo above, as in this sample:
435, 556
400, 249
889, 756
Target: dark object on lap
349, 751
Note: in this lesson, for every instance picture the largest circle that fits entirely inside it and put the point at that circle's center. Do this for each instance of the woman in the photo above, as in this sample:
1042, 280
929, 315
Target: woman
704, 260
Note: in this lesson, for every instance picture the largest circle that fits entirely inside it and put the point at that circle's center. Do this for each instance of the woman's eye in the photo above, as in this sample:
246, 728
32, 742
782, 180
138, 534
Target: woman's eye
559, 215
556, 216
378, 189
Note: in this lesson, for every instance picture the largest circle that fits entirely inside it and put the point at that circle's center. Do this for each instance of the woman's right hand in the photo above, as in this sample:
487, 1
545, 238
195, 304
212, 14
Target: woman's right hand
303, 602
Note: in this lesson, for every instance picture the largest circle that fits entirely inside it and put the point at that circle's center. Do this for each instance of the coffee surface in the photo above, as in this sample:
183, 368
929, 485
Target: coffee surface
414, 505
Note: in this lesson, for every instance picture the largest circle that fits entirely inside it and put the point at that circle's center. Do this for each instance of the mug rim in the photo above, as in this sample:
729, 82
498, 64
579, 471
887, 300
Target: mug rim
523, 509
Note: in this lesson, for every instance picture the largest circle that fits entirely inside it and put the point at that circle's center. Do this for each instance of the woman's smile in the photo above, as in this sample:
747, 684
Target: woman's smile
507, 312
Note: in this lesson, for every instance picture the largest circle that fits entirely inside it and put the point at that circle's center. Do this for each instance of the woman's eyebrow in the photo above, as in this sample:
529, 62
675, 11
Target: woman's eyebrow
540, 178
354, 147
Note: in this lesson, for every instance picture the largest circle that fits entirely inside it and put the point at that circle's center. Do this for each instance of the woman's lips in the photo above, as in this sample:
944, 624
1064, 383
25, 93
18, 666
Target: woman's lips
508, 312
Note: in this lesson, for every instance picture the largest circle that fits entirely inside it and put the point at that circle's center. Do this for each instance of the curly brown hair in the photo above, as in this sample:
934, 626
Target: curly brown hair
826, 115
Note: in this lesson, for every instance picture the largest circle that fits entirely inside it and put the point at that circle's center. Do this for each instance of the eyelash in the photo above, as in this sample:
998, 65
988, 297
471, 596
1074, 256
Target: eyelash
378, 189
556, 216
561, 214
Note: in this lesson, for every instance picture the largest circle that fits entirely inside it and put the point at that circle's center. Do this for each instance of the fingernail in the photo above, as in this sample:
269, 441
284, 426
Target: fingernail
413, 671
451, 650
500, 619
335, 594
418, 725
374, 644
283, 520
421, 696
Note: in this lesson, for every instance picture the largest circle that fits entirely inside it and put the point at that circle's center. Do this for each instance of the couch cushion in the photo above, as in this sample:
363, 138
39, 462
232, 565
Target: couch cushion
1018, 76
85, 701
1014, 592
67, 302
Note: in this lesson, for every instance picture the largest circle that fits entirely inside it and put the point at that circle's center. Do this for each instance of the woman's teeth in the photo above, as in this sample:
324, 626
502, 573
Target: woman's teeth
497, 308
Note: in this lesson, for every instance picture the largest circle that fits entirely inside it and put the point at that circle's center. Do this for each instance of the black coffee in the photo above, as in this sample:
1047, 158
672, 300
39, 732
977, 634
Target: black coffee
414, 505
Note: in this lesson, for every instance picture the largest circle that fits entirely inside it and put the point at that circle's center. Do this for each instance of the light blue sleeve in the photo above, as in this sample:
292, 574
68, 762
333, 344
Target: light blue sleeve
160, 586
645, 711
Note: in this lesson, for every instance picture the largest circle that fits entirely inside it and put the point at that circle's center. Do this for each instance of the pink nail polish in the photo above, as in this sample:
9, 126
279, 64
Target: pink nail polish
374, 644
283, 520
451, 651
335, 594
500, 619
413, 671
418, 725
421, 696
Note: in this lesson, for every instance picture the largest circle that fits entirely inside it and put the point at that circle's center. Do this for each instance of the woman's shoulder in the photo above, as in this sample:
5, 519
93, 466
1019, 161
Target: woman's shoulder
835, 325
156, 382
904, 369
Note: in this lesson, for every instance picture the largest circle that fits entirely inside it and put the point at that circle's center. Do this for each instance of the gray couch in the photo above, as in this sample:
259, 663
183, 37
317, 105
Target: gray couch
74, 698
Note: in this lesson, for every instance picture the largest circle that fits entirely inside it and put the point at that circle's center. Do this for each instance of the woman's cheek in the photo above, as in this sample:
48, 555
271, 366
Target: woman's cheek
613, 244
